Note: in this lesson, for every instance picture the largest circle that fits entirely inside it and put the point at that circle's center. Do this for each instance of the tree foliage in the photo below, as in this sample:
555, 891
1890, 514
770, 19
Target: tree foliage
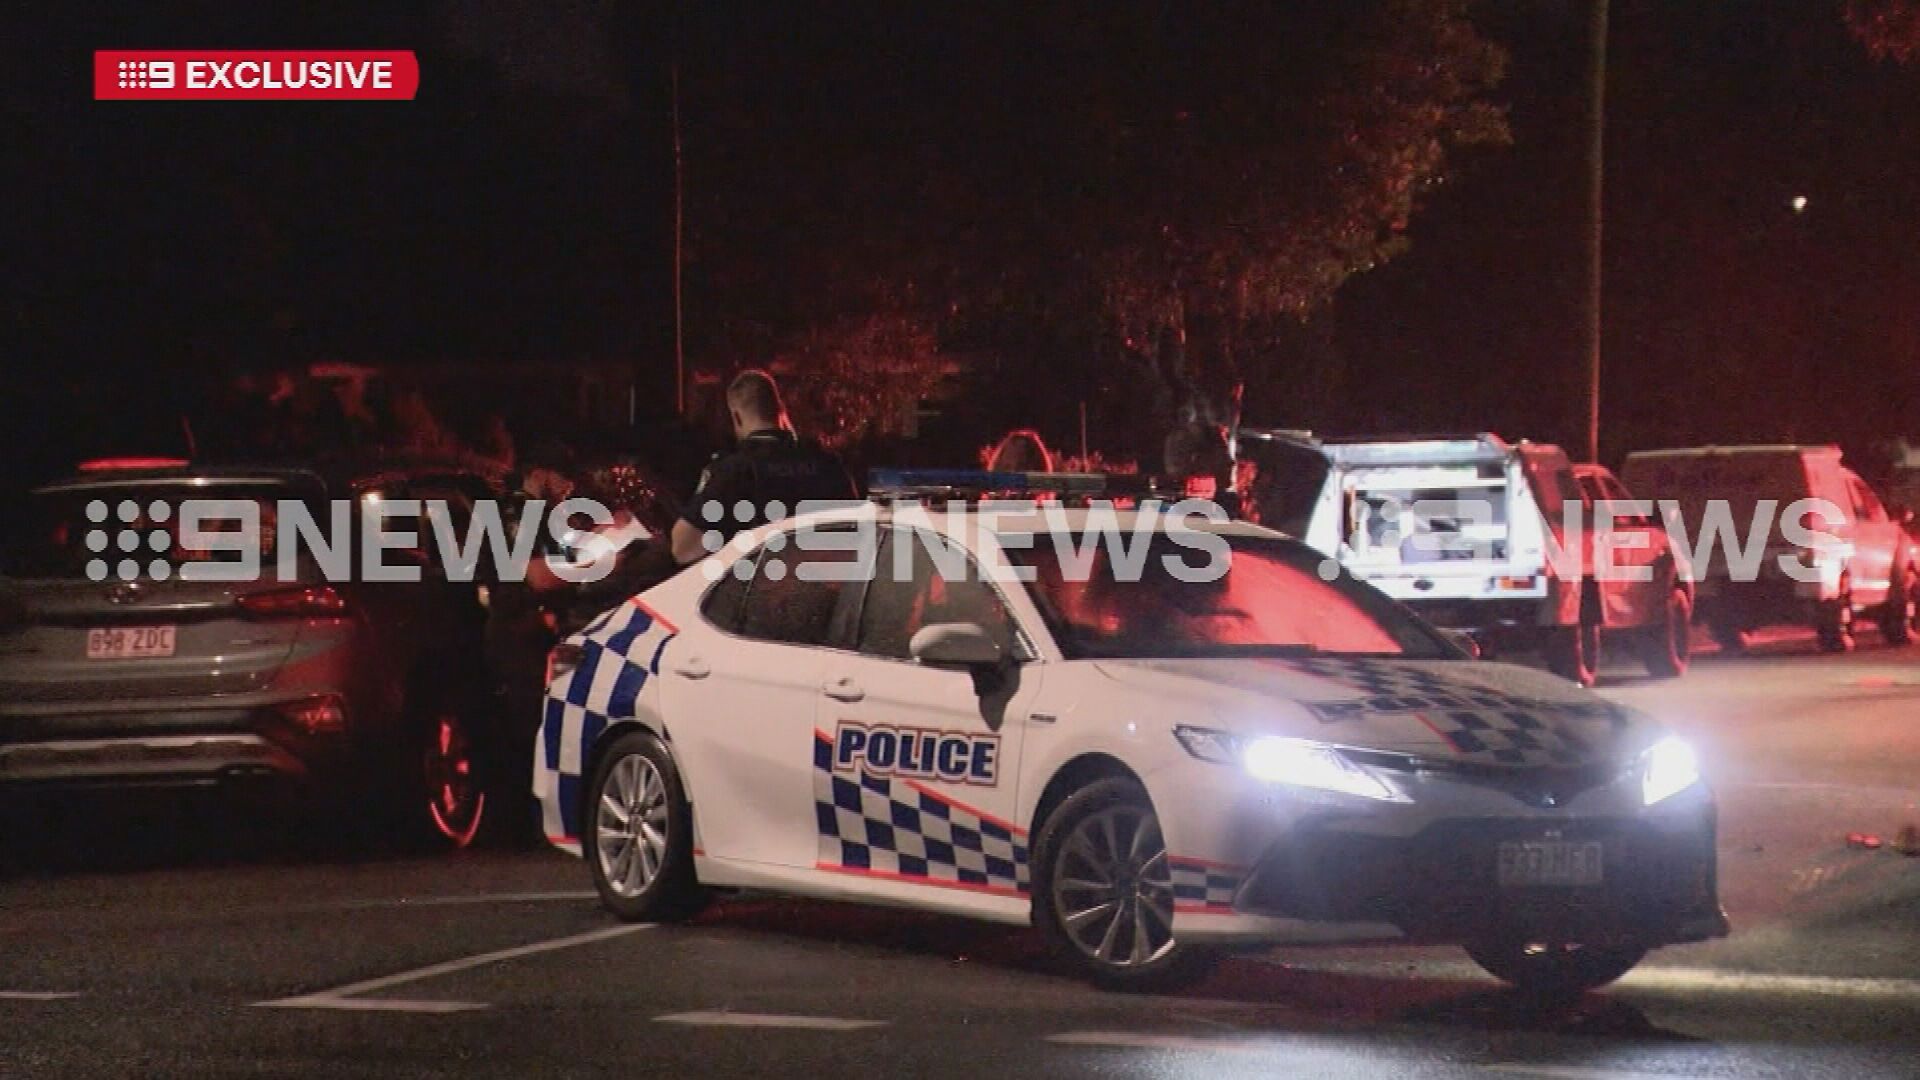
1890, 29
1136, 192
861, 378
1263, 194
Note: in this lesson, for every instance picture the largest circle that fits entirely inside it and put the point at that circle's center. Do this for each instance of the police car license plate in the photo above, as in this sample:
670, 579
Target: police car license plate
1550, 862
129, 642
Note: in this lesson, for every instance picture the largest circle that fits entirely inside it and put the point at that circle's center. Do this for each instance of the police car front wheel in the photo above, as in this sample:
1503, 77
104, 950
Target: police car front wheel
1103, 890
639, 845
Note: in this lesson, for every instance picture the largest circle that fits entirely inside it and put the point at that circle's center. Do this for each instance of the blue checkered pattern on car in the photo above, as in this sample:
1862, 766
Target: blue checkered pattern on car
620, 652
887, 827
1201, 883
1476, 722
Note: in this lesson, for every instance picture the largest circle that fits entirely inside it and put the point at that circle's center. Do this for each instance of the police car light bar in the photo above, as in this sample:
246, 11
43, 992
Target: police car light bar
961, 483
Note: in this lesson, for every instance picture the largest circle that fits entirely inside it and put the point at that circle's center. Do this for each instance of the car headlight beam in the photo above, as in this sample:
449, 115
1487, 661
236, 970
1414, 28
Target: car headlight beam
1668, 768
1277, 760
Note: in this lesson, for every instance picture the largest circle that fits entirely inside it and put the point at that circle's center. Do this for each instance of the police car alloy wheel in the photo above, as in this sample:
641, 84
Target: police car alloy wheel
1555, 969
1103, 892
640, 844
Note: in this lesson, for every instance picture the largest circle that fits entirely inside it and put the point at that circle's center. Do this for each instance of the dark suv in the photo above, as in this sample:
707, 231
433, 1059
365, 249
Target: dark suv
353, 696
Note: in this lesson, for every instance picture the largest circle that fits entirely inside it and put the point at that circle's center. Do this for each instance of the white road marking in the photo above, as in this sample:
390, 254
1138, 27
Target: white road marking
346, 1004
1818, 788
455, 901
723, 1018
347, 997
1574, 1072
1247, 1044
1745, 982
1133, 1040
36, 995
1705, 980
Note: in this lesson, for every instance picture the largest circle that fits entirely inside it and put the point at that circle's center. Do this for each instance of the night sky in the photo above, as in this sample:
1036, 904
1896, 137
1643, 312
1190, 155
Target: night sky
519, 212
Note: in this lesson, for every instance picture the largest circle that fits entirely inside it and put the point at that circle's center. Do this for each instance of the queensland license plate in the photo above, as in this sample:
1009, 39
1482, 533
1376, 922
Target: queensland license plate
129, 642
1550, 862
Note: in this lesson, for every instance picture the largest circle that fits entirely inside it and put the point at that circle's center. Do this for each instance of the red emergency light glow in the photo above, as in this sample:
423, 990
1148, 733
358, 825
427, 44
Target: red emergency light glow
116, 464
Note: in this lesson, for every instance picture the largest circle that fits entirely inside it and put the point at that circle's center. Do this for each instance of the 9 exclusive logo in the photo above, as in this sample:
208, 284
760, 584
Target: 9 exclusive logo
255, 75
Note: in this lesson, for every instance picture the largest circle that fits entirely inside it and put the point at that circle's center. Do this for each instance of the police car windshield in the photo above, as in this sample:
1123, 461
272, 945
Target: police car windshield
1167, 596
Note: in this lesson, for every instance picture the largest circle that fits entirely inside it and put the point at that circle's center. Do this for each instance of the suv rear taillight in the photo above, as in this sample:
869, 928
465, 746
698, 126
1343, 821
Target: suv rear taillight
307, 602
323, 715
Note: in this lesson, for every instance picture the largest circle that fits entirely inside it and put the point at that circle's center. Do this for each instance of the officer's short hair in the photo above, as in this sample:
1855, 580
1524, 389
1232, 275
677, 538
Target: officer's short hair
754, 393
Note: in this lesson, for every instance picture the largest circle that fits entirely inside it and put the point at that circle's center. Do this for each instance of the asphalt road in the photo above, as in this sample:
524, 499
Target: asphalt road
183, 939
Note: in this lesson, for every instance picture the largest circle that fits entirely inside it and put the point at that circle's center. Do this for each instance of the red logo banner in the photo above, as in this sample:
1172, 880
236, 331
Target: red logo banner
254, 75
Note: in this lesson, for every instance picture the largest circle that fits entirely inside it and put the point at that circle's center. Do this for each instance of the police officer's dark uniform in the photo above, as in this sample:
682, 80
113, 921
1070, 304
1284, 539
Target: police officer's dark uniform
769, 466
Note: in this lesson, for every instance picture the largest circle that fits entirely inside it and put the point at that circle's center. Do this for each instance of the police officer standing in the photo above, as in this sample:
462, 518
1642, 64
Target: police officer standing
769, 465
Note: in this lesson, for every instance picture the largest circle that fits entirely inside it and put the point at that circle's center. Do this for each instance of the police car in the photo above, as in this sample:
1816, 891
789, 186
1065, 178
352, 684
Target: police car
1151, 736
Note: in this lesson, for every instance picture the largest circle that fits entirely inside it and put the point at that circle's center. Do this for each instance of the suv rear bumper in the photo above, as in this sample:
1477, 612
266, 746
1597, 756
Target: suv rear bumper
166, 747
158, 760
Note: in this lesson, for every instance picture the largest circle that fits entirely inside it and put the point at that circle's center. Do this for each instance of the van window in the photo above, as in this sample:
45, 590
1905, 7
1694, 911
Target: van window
1416, 514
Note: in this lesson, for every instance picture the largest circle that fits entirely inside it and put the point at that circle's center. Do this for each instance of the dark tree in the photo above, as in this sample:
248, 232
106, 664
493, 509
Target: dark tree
1890, 29
1141, 195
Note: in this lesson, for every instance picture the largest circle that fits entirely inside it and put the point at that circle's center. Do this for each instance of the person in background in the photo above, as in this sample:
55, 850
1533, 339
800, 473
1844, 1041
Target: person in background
1200, 466
769, 464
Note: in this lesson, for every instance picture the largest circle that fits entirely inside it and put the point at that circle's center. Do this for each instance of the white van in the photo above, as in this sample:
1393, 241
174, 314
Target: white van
1869, 572
1459, 529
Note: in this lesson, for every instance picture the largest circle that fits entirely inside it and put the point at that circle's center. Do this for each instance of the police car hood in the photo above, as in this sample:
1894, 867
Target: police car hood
1486, 713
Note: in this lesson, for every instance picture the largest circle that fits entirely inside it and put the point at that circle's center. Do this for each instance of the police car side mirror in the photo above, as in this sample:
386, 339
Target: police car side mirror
955, 645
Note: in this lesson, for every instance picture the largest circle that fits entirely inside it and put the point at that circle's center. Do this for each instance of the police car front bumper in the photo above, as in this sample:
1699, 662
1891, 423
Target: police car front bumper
1441, 886
1286, 866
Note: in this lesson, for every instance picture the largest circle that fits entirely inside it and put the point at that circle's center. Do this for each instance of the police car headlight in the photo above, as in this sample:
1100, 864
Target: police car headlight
1294, 762
1668, 768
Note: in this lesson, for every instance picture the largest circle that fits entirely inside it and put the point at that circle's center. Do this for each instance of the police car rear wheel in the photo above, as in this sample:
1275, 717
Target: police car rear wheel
640, 842
1554, 970
1103, 890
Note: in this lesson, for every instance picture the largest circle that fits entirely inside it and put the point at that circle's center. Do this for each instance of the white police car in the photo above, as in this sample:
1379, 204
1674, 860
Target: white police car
1147, 765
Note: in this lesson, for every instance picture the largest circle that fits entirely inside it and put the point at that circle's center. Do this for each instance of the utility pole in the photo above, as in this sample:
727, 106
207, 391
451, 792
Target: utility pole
1596, 215
679, 234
